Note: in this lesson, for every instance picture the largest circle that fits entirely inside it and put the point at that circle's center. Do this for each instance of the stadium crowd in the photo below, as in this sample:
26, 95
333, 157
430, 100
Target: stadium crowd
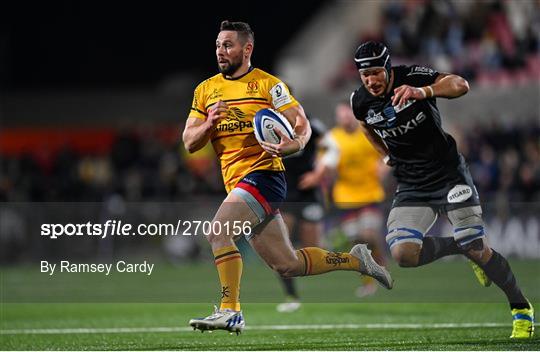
489, 42
504, 160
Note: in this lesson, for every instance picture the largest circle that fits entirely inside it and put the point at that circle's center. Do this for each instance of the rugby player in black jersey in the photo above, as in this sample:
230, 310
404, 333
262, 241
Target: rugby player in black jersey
398, 112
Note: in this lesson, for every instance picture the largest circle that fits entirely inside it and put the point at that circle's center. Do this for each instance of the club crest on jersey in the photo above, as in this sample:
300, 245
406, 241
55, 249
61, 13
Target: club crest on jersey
373, 118
388, 114
235, 113
252, 87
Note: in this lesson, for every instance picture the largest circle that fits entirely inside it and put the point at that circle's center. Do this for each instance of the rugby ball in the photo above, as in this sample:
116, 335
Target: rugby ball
264, 123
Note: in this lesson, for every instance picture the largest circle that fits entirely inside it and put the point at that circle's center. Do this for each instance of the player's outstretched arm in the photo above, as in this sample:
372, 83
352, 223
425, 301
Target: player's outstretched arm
446, 86
197, 131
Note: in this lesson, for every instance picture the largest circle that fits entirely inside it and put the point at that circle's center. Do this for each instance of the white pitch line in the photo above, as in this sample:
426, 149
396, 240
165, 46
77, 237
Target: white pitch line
252, 327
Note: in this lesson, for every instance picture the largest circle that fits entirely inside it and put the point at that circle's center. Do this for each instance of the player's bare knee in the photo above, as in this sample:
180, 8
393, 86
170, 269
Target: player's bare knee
219, 238
287, 270
406, 255
405, 244
479, 255
286, 266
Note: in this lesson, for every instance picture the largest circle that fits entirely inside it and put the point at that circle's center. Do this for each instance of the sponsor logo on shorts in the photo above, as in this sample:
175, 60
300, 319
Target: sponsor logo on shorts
459, 193
250, 181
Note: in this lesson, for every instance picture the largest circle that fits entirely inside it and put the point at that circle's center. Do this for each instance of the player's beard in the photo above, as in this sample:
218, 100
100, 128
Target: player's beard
230, 68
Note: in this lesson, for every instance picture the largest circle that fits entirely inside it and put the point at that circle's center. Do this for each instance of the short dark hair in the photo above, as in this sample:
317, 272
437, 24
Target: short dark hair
242, 28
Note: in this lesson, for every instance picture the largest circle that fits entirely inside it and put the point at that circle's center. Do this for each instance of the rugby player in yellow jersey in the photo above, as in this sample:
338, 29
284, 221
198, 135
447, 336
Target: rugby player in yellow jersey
222, 112
357, 169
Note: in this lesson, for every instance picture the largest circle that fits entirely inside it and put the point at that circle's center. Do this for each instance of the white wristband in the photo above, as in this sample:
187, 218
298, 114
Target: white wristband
432, 93
386, 159
424, 94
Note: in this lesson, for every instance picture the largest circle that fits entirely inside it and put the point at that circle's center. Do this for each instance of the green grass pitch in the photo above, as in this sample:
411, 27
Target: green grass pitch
439, 307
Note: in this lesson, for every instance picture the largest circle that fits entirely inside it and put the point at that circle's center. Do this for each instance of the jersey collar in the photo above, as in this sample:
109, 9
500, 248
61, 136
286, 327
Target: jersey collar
251, 68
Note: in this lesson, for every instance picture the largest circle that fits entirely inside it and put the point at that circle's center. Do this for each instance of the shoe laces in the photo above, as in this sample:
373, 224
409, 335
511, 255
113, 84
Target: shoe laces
219, 313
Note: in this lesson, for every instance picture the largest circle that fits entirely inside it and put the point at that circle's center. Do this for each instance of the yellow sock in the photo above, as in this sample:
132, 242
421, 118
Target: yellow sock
229, 266
319, 261
367, 280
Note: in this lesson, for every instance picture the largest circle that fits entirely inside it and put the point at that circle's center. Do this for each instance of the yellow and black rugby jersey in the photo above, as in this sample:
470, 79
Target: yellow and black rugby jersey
233, 139
357, 180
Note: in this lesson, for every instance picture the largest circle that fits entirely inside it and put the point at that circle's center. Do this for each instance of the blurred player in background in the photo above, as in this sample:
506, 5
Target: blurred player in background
357, 190
397, 109
222, 112
303, 211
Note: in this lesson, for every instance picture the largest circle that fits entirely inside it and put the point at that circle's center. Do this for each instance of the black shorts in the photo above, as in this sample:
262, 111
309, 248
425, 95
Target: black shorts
458, 193
304, 205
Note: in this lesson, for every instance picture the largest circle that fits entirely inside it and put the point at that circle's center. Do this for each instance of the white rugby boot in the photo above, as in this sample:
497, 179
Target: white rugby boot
289, 306
226, 319
369, 267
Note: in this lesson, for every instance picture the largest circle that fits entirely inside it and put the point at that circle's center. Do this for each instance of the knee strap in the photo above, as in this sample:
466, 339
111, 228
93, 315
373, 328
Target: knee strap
467, 234
402, 235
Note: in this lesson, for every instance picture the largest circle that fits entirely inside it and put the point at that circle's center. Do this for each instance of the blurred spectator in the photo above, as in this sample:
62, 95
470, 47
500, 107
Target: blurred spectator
139, 166
142, 167
479, 40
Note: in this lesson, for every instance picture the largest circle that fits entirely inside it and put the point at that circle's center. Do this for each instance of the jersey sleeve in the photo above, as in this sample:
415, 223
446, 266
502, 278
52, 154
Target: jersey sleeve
419, 76
280, 95
198, 109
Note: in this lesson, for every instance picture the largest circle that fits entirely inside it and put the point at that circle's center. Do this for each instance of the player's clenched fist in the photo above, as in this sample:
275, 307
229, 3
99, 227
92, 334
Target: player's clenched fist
406, 92
217, 111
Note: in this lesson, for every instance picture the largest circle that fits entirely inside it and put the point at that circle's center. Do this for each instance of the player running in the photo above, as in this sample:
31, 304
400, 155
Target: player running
222, 112
357, 189
397, 108
303, 212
